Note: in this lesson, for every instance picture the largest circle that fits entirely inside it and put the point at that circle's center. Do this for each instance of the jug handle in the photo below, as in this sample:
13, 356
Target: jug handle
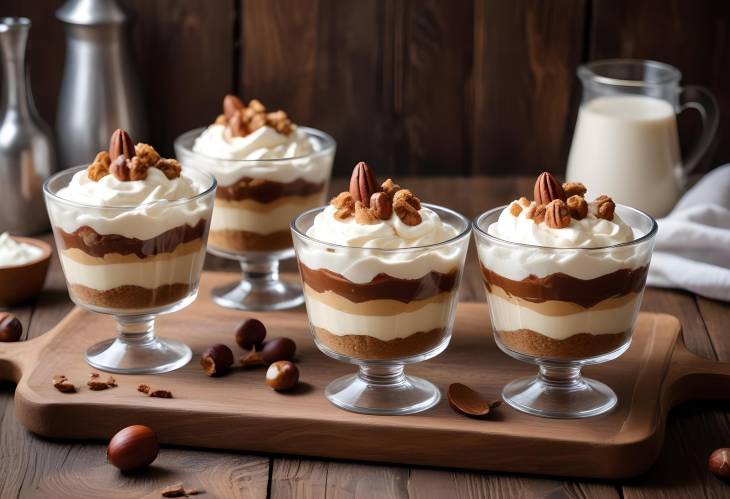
701, 99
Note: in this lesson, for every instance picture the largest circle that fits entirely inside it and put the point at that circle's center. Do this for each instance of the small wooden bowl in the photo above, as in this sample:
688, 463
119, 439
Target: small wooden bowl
20, 283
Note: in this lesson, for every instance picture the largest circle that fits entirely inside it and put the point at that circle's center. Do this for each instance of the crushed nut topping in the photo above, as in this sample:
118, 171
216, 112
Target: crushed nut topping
130, 163
605, 207
96, 383
515, 209
242, 120
578, 207
345, 205
364, 215
63, 385
539, 215
556, 214
574, 189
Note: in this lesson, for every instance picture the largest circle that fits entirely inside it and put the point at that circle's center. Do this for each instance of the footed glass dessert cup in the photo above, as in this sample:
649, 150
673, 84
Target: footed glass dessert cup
381, 309
254, 206
562, 309
134, 263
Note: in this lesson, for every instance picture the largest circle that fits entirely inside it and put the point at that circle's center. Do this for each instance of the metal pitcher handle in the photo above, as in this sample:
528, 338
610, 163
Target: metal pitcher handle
701, 99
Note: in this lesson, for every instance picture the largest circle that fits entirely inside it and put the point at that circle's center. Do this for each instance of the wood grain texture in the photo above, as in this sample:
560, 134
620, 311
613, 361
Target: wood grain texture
679, 473
525, 53
693, 36
184, 50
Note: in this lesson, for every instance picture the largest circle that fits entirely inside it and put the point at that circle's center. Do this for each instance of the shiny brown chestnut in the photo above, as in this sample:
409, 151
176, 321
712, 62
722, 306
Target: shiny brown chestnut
216, 360
10, 327
271, 351
282, 375
719, 463
133, 448
250, 334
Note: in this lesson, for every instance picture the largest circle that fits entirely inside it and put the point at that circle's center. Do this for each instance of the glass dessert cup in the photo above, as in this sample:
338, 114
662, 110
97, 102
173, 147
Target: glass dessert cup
562, 309
254, 206
134, 276
389, 309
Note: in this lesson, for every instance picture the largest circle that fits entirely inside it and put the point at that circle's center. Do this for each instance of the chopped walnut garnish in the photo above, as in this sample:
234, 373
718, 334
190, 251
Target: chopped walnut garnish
100, 167
143, 388
530, 213
146, 154
539, 216
524, 202
170, 167
578, 207
137, 168
345, 205
364, 215
408, 197
390, 188
605, 207
515, 209
556, 214
95, 382
63, 385
243, 120
574, 189
406, 211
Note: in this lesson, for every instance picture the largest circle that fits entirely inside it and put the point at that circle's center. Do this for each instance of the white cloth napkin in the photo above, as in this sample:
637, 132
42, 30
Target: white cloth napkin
693, 243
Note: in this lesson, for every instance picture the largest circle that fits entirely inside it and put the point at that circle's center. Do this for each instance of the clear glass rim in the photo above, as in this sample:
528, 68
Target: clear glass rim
592, 71
459, 236
482, 232
75, 169
14, 22
328, 142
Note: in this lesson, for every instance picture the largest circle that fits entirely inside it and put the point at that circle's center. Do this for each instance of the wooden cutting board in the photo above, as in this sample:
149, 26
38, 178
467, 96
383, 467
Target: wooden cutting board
239, 411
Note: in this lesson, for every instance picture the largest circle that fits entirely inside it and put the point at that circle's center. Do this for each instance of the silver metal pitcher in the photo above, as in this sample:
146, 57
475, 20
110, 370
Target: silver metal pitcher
26, 144
100, 91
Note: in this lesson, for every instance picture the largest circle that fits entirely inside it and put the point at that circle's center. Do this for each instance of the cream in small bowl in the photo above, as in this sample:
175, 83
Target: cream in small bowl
23, 268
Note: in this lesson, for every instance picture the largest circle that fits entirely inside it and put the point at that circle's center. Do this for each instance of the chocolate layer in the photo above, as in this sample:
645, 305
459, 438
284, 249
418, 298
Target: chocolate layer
563, 287
370, 348
131, 297
266, 191
578, 346
241, 240
91, 242
381, 287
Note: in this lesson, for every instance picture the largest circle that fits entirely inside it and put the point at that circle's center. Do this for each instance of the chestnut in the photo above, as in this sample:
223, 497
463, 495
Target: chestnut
216, 360
10, 327
278, 349
282, 375
133, 448
250, 334
719, 463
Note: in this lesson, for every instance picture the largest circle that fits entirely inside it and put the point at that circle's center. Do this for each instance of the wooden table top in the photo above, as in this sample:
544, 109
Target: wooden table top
30, 465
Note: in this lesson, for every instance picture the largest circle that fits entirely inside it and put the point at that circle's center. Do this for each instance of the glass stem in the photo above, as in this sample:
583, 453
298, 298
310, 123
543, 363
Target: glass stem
262, 274
382, 375
137, 330
560, 377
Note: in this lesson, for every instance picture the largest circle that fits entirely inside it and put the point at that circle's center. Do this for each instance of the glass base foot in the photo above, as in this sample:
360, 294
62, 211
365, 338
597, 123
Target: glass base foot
243, 295
118, 356
382, 390
565, 395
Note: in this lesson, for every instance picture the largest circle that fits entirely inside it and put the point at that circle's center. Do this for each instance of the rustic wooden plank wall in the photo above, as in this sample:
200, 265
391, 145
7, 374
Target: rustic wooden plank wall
455, 87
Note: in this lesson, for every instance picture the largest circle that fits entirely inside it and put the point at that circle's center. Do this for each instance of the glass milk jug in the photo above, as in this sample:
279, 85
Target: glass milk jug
625, 143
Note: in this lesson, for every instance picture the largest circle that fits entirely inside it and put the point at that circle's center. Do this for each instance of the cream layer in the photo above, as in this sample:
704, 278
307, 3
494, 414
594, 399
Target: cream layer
435, 315
146, 273
510, 316
261, 218
559, 307
373, 307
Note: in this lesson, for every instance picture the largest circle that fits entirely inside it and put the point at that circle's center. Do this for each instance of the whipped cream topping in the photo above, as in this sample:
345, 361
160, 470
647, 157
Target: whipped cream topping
590, 232
219, 151
263, 143
139, 209
384, 234
110, 191
576, 250
14, 252
371, 247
